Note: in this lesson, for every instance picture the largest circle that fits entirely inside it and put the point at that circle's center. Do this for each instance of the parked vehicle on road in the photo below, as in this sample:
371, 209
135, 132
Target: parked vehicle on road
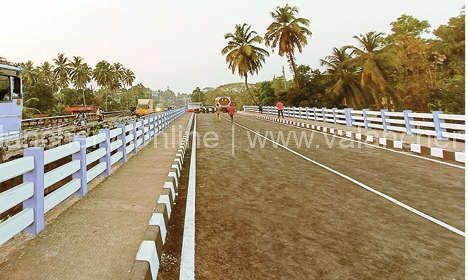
11, 102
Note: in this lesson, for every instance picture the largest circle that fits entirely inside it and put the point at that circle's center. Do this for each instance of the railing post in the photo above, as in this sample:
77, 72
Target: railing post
151, 127
408, 120
323, 114
135, 142
364, 117
349, 117
334, 115
146, 126
437, 121
384, 119
158, 123
36, 176
106, 145
315, 113
123, 148
81, 156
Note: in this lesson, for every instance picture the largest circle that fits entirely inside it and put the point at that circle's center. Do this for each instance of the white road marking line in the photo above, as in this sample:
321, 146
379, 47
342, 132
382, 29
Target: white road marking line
187, 259
382, 148
387, 197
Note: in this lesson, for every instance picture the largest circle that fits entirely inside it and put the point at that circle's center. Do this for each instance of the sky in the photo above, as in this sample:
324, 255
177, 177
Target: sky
177, 43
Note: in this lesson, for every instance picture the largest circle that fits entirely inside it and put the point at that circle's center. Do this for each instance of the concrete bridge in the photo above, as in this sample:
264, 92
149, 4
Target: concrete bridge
121, 204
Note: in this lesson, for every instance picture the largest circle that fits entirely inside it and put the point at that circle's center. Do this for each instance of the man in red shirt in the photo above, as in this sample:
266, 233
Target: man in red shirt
231, 110
279, 106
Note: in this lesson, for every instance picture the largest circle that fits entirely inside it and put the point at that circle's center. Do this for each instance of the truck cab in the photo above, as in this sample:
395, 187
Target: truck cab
11, 102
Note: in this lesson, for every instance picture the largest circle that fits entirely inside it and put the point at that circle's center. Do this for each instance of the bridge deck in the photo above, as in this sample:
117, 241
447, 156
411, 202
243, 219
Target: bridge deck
98, 236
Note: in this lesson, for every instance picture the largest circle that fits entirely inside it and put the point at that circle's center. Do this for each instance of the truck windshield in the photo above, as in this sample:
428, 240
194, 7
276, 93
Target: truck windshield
5, 88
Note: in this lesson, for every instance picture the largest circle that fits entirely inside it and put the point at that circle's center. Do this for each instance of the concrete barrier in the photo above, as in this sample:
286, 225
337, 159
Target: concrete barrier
146, 267
380, 141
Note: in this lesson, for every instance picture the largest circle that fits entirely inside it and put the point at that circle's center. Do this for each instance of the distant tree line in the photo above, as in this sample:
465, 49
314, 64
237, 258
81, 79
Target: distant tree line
51, 86
410, 68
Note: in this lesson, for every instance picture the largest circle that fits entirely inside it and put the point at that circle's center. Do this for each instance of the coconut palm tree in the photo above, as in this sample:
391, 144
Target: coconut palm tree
61, 71
128, 77
29, 73
370, 57
47, 75
80, 74
243, 53
103, 76
289, 33
343, 73
118, 73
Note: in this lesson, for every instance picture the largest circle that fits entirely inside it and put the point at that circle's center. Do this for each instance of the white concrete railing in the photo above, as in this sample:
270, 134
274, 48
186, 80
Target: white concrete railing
90, 157
437, 124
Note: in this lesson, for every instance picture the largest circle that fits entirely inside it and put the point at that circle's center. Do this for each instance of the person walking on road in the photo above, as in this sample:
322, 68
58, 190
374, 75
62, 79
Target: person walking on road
279, 106
260, 108
231, 110
218, 112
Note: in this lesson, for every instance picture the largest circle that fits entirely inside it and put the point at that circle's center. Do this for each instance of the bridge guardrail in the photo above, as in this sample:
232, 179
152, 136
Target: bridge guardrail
436, 124
33, 122
90, 157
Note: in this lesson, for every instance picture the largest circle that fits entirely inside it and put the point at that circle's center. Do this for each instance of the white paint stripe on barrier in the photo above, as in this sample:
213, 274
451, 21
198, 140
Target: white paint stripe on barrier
174, 175
415, 148
147, 252
369, 138
402, 152
176, 167
157, 219
348, 134
460, 156
383, 141
187, 258
437, 152
357, 136
344, 176
398, 144
170, 186
164, 198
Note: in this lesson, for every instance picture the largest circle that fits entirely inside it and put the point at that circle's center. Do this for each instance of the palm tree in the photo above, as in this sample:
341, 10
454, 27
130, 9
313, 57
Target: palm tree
118, 73
103, 76
288, 33
370, 58
242, 53
80, 74
46, 73
62, 71
29, 73
128, 77
343, 73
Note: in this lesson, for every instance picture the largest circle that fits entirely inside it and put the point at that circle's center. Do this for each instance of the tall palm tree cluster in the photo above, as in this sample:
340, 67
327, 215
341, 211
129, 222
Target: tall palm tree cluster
401, 70
63, 72
357, 73
288, 33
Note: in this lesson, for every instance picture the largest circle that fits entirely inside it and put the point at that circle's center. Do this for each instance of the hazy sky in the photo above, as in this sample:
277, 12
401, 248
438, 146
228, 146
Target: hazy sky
177, 43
